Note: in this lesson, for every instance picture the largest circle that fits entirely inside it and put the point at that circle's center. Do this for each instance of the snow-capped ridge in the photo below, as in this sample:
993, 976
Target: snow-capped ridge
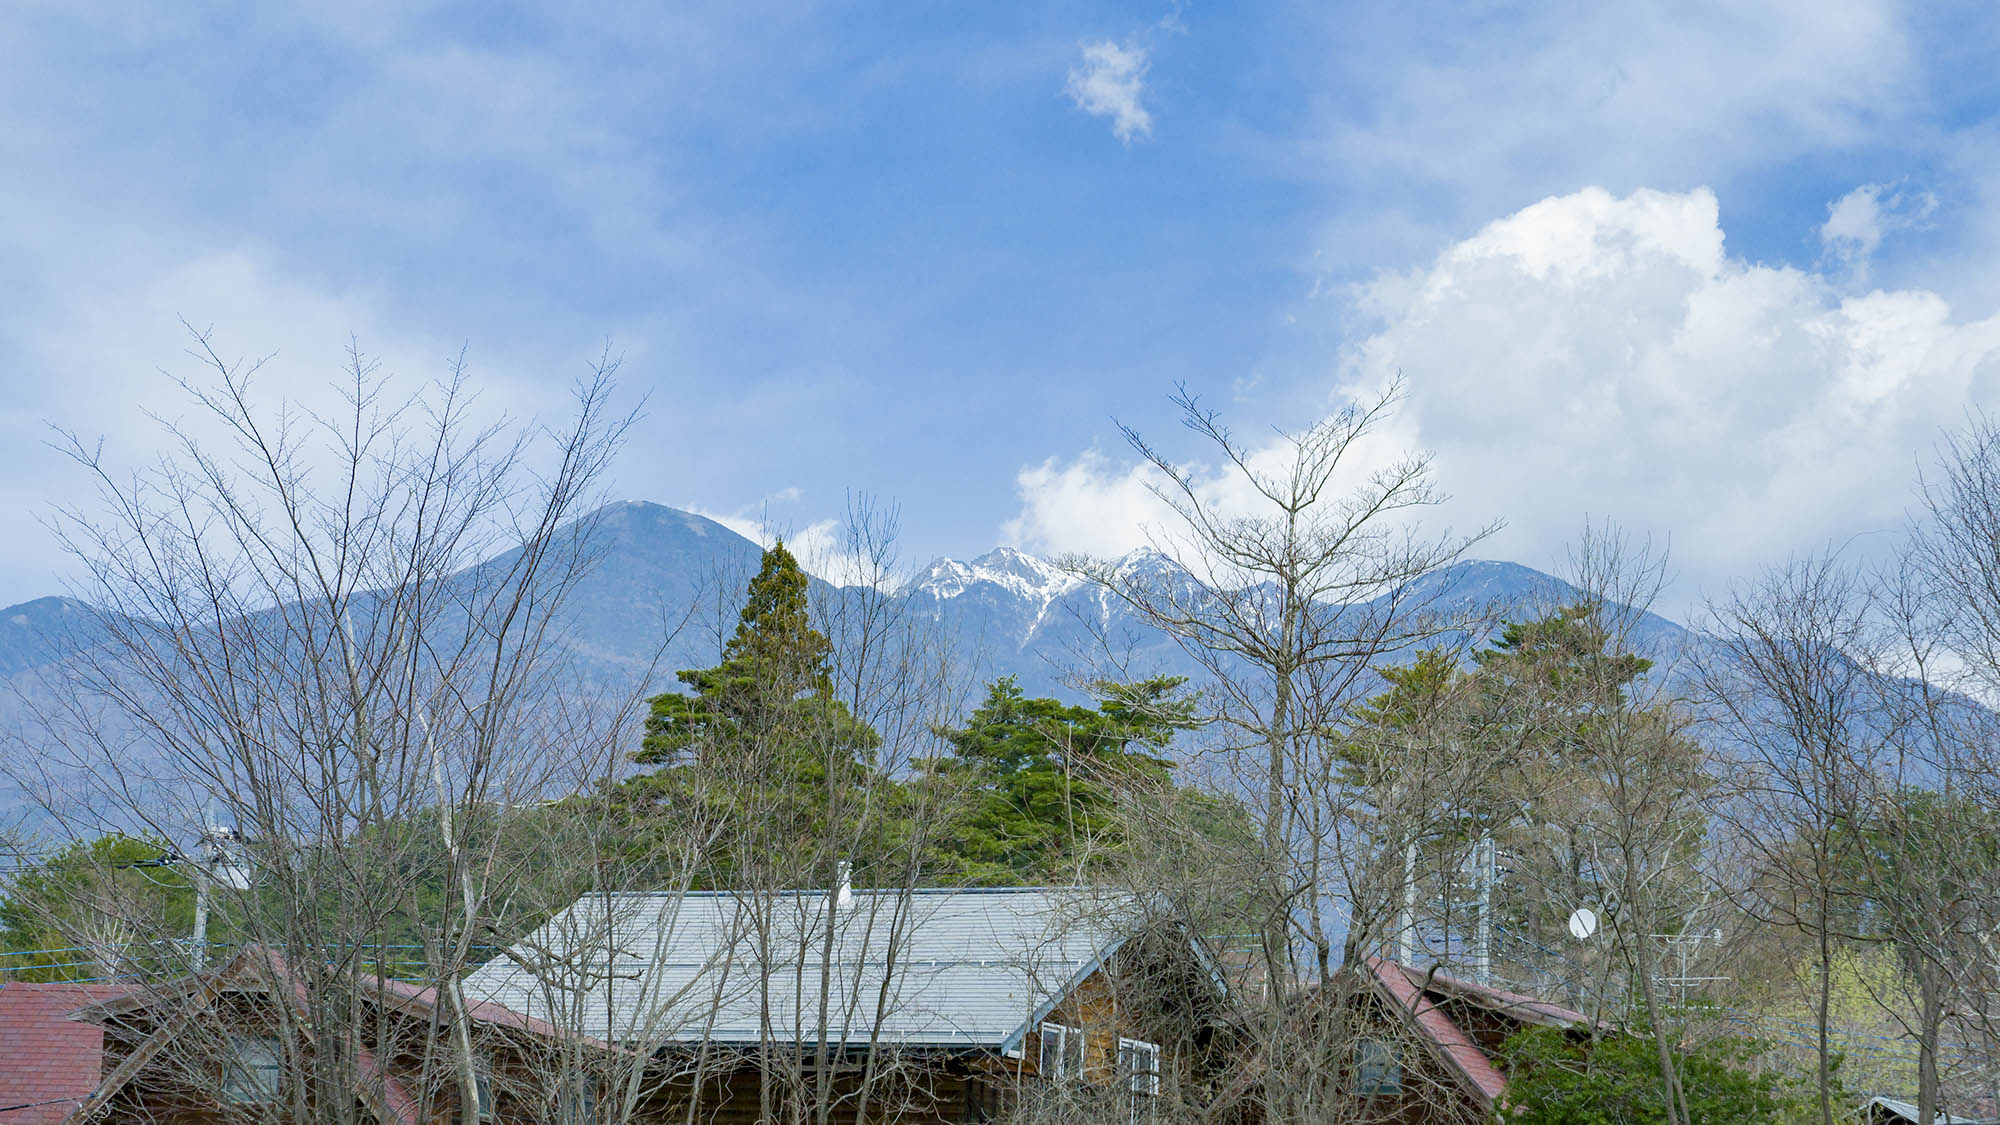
1009, 568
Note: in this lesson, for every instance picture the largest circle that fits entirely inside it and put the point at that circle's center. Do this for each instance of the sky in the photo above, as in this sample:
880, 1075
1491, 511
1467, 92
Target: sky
1722, 273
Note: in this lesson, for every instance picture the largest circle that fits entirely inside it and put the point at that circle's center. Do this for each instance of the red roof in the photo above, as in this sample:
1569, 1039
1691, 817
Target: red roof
48, 1062
1514, 1005
1447, 1040
489, 1012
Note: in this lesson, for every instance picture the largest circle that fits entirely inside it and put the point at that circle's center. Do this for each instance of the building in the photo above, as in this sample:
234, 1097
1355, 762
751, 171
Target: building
1889, 1111
1400, 1046
49, 1063
913, 1006
254, 1038
947, 1005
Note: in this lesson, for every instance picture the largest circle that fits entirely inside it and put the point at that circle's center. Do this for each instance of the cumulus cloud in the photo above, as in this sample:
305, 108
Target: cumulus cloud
1435, 123
1109, 83
1090, 504
1596, 356
1857, 222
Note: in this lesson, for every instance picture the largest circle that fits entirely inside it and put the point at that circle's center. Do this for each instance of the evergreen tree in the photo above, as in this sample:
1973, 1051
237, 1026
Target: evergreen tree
1563, 662
95, 910
1555, 1078
1421, 700
759, 752
1040, 778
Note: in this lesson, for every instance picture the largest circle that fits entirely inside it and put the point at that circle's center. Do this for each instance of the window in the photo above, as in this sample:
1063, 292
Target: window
579, 1104
482, 1090
1062, 1052
1139, 1069
1376, 1070
254, 1072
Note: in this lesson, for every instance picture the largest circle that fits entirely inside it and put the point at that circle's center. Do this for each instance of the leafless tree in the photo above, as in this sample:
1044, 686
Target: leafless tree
338, 633
1286, 607
1635, 781
1789, 685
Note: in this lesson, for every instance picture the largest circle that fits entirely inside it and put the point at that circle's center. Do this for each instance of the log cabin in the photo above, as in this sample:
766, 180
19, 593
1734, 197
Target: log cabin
907, 1006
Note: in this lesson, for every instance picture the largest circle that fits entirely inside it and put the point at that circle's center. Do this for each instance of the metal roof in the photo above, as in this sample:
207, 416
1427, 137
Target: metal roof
958, 968
1893, 1110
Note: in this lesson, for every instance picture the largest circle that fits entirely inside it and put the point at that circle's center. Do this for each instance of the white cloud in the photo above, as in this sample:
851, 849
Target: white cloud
822, 547
1594, 356
1109, 84
1857, 222
106, 343
1432, 124
1090, 504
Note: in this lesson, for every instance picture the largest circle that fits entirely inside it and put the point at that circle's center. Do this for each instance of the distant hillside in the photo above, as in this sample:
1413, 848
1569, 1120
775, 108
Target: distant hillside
667, 584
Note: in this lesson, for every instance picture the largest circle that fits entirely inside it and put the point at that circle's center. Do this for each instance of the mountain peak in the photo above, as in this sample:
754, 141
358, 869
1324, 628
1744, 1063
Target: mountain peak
1009, 568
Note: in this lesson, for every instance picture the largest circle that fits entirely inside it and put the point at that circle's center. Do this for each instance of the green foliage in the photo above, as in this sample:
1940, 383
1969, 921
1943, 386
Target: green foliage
772, 683
1375, 746
107, 904
1556, 1079
1039, 780
1564, 658
1921, 865
759, 751
1542, 745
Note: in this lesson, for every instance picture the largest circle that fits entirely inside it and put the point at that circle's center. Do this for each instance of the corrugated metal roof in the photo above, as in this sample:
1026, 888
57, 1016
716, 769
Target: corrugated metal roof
1907, 1111
944, 968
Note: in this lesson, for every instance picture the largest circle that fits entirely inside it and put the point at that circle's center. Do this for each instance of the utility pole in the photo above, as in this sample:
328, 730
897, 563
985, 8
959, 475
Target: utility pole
1487, 869
198, 951
1406, 940
215, 858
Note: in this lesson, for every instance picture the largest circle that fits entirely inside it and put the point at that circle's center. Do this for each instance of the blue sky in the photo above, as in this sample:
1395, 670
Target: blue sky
1716, 271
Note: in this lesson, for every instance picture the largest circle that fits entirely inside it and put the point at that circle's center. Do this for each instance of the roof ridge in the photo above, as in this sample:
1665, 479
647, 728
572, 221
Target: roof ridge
820, 892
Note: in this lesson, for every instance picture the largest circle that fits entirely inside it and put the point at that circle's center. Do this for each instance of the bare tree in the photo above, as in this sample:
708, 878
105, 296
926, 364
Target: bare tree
1637, 784
337, 633
1790, 688
1286, 607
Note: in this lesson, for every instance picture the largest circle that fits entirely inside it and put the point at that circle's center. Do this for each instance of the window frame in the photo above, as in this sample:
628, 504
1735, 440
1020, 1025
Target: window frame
253, 1072
1142, 1087
485, 1107
1377, 1058
579, 1102
1069, 1054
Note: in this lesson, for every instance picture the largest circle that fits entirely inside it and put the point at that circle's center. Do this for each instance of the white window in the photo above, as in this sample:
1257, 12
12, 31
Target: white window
254, 1072
1139, 1069
1376, 1070
1062, 1051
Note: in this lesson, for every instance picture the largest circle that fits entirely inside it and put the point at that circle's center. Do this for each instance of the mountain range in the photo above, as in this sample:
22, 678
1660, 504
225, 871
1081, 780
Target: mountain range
666, 585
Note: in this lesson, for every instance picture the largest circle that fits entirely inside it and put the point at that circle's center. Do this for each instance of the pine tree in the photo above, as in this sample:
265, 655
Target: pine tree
1040, 778
759, 752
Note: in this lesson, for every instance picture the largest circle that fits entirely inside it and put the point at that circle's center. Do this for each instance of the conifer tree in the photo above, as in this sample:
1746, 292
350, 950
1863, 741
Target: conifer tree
1041, 778
759, 752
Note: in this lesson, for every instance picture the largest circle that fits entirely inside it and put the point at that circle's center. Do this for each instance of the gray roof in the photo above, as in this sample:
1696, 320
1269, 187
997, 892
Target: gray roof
1907, 1111
971, 968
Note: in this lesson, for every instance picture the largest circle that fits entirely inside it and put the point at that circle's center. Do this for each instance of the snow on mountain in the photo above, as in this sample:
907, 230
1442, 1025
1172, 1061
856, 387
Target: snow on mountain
1014, 571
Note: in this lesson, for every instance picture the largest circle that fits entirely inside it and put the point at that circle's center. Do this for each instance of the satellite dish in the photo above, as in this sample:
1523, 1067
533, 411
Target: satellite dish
1582, 923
